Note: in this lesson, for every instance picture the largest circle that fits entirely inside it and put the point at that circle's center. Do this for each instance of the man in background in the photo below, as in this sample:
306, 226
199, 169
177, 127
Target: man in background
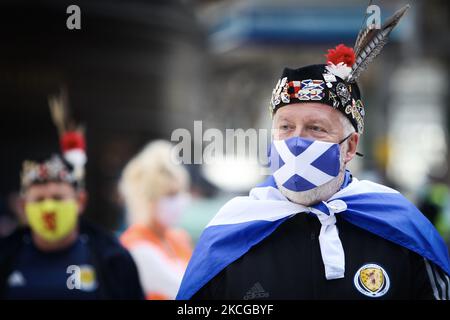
61, 256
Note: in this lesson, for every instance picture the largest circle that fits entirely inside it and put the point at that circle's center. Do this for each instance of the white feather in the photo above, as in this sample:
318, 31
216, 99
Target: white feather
340, 70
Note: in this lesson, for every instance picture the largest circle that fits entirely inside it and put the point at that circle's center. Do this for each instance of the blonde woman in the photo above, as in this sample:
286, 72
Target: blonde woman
154, 188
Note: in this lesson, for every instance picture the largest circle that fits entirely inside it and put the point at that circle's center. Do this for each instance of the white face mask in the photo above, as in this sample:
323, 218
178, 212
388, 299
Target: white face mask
170, 209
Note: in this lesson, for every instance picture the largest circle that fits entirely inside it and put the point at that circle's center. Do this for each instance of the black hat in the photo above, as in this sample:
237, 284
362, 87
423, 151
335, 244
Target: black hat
66, 165
334, 83
316, 83
53, 169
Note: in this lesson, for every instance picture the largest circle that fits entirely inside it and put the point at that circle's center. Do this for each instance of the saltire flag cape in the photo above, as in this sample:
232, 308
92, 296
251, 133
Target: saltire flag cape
245, 221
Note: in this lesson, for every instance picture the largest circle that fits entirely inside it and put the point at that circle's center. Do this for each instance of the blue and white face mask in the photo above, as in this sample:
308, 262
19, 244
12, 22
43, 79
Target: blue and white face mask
300, 164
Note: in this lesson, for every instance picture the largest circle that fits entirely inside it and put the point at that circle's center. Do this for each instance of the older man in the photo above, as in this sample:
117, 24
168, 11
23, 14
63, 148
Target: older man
312, 230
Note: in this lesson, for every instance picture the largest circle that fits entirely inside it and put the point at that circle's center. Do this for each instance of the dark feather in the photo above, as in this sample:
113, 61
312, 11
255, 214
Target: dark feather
363, 32
370, 41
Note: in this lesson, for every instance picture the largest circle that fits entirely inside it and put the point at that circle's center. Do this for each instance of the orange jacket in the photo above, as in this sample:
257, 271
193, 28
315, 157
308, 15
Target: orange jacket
174, 250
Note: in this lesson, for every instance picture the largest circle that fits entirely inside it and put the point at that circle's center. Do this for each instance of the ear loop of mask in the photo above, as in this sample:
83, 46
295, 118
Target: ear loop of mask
357, 153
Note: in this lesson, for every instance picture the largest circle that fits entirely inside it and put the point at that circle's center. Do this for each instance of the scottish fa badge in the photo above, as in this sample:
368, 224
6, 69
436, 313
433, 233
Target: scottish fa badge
372, 280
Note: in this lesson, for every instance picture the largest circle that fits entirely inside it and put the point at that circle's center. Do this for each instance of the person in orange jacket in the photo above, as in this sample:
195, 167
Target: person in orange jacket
154, 189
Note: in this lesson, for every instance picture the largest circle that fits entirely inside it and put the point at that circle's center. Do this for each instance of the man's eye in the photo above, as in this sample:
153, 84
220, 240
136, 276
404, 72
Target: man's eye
317, 129
285, 127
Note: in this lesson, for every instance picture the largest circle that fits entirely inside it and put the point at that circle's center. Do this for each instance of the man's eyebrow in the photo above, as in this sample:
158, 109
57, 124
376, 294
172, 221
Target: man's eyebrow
284, 118
319, 120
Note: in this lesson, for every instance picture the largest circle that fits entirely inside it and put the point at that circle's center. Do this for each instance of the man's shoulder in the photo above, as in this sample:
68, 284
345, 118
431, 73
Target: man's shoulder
15, 238
104, 241
355, 236
367, 186
115, 262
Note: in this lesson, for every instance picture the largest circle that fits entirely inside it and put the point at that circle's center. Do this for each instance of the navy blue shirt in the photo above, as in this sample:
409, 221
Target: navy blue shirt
65, 274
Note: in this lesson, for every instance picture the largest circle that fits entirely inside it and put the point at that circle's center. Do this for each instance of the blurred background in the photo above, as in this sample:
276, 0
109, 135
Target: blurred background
137, 70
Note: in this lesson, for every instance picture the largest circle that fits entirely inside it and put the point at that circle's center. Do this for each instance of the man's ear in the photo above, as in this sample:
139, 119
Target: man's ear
82, 199
272, 130
352, 147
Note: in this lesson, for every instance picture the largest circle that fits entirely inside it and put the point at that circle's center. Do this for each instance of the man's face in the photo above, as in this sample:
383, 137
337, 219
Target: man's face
313, 121
52, 190
52, 210
59, 191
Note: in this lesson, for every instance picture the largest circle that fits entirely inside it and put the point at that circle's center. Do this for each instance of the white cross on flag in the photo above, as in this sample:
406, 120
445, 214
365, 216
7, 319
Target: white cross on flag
299, 164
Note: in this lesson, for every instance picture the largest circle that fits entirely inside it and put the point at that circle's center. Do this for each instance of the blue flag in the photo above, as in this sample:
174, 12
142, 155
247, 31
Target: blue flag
245, 221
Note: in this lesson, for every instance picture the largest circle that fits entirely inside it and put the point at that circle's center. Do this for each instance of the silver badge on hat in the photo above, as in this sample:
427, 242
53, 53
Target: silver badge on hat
343, 93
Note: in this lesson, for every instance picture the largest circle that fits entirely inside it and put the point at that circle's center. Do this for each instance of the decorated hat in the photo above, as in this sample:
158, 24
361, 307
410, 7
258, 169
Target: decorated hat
66, 165
334, 82
53, 169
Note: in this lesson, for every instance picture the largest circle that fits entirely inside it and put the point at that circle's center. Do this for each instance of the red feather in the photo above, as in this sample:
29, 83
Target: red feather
341, 54
72, 140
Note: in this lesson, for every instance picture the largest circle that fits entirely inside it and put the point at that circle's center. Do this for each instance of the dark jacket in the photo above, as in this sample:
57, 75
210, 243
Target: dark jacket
116, 272
288, 265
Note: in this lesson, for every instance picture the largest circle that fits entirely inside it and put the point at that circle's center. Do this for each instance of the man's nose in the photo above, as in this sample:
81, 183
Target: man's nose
300, 132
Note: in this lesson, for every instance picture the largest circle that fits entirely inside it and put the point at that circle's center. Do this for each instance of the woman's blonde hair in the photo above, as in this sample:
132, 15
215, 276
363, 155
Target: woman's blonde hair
150, 175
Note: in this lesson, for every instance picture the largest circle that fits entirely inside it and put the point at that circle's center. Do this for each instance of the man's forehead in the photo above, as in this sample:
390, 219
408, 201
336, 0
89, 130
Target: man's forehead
50, 188
307, 111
